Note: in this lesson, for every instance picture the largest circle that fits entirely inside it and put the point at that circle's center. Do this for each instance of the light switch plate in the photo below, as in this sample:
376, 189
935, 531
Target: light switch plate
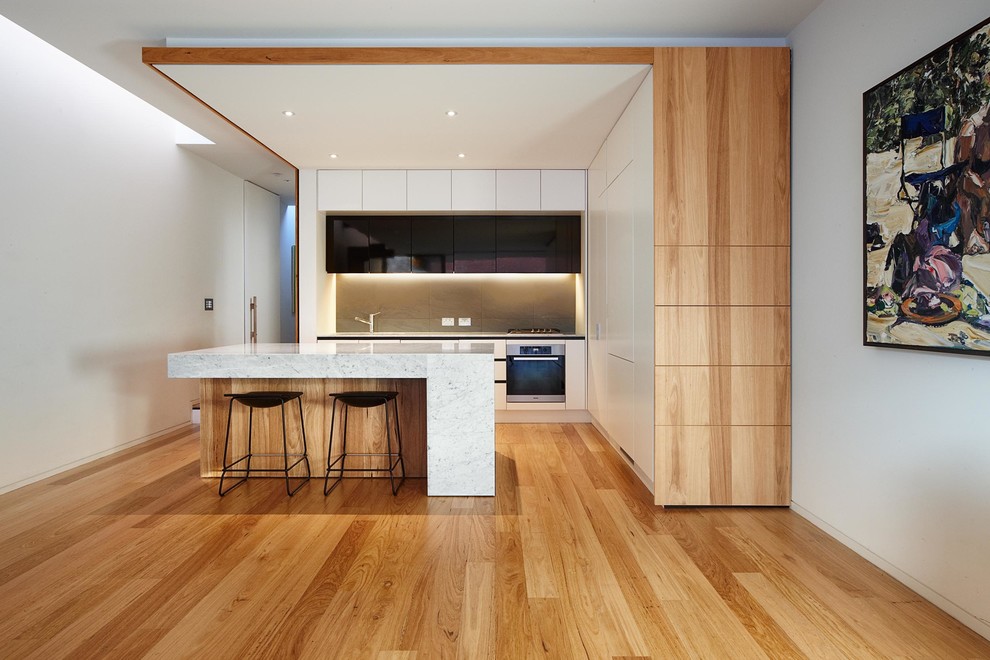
447, 320
464, 320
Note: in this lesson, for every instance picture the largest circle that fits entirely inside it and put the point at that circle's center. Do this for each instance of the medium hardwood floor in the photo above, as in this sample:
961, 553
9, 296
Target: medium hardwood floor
136, 556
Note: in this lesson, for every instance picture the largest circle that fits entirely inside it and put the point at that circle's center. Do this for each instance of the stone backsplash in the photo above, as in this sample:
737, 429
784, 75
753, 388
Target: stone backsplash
495, 303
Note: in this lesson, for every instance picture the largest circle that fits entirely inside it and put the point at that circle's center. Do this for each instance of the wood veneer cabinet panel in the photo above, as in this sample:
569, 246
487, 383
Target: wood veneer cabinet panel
699, 275
722, 274
749, 100
717, 396
722, 146
724, 465
680, 147
761, 464
365, 427
723, 336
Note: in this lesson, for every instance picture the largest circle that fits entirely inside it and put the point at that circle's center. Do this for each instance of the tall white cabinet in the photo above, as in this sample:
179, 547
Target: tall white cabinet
620, 284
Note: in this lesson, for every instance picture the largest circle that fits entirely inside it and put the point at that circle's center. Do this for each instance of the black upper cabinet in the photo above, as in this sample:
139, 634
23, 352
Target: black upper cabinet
432, 244
347, 244
526, 244
474, 244
461, 244
389, 244
568, 257
539, 244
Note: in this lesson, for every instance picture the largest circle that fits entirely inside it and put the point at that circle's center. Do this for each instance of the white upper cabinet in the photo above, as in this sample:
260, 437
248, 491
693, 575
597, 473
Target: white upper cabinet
517, 190
562, 190
454, 190
384, 190
338, 190
428, 190
472, 190
621, 143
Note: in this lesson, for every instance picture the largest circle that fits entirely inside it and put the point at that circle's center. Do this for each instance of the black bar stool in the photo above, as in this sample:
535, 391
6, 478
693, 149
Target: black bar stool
350, 400
264, 400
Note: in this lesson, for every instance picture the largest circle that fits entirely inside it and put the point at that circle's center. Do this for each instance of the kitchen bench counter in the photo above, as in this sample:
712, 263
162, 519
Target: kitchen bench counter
459, 398
440, 336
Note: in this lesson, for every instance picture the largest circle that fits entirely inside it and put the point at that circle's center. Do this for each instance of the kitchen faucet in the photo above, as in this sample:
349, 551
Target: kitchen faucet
370, 321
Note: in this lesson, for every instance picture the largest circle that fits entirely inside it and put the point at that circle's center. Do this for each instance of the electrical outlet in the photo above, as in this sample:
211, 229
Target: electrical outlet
208, 304
464, 320
447, 320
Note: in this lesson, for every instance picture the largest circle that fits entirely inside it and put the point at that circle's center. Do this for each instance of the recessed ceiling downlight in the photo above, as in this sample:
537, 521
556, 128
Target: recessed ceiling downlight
462, 155
333, 156
288, 113
451, 113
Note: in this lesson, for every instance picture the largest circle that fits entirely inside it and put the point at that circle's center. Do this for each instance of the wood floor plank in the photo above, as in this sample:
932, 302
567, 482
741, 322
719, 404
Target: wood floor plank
632, 564
135, 556
477, 635
811, 640
794, 594
61, 644
852, 588
251, 595
605, 621
214, 554
514, 634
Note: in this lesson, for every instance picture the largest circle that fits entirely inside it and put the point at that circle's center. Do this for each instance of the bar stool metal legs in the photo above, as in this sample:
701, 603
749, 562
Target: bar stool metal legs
264, 400
348, 400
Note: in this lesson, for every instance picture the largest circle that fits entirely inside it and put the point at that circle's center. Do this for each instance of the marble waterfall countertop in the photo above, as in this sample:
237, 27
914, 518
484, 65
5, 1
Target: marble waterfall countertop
445, 336
460, 393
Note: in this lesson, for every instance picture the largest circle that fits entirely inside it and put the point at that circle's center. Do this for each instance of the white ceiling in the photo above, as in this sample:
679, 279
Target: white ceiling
521, 117
573, 110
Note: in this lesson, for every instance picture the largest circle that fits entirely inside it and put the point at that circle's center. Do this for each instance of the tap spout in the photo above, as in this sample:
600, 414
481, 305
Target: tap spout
370, 321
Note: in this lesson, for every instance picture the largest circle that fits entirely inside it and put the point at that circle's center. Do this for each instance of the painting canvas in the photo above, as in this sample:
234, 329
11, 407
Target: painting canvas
927, 201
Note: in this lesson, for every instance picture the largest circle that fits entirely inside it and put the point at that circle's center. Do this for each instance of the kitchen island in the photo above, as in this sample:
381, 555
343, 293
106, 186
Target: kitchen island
451, 386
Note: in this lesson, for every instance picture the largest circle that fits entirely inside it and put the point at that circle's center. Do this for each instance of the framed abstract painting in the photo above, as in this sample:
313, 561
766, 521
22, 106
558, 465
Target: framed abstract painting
926, 184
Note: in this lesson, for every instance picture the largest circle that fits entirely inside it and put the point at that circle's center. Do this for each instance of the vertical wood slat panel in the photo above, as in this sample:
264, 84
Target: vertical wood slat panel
756, 105
722, 146
365, 434
680, 147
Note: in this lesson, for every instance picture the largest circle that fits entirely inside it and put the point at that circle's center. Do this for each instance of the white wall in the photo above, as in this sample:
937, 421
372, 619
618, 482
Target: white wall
313, 289
262, 259
891, 448
287, 240
112, 236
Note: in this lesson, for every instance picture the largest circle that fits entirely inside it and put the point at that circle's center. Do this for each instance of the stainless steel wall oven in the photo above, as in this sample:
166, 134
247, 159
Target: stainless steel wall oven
534, 372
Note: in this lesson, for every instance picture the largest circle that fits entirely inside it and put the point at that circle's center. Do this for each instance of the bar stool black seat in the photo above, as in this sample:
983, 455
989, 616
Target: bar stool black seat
264, 400
365, 399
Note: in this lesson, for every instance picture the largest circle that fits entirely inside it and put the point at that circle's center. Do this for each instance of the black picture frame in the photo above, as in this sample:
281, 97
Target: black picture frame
926, 201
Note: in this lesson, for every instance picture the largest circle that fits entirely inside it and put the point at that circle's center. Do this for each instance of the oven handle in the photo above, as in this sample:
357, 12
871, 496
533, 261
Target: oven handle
536, 359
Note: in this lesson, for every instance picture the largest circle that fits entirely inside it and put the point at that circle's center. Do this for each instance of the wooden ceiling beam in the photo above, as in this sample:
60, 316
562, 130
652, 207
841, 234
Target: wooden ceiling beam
162, 55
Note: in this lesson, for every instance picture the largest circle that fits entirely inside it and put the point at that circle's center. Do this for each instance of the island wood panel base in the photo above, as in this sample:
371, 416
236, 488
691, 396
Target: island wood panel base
365, 434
